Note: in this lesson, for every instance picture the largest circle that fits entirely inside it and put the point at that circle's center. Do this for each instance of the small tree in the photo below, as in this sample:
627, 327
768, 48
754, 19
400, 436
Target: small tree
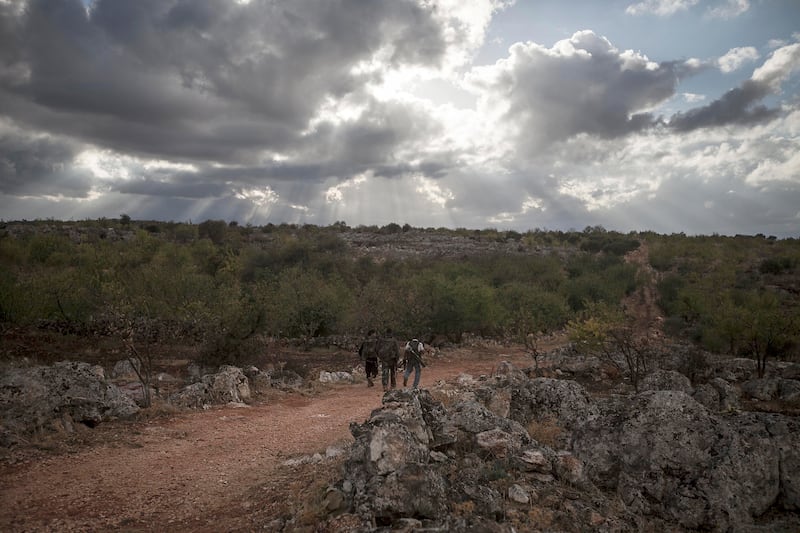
767, 328
606, 331
140, 358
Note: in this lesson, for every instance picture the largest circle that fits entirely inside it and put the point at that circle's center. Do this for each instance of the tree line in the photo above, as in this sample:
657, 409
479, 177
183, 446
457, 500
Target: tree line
221, 286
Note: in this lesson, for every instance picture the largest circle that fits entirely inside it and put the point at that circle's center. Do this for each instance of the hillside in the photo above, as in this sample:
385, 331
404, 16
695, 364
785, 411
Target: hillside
233, 329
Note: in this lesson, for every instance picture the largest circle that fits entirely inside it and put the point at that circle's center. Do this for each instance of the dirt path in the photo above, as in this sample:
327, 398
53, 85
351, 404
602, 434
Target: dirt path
199, 471
642, 304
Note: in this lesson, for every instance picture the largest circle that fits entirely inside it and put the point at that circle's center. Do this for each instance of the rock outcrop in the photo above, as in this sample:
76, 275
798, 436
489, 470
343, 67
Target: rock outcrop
46, 398
657, 460
461, 469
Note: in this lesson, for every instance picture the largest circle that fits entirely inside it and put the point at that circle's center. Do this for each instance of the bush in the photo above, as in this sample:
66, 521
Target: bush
777, 265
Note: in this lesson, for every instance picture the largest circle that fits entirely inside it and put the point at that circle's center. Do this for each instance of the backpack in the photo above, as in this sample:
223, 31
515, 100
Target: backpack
369, 349
413, 352
413, 344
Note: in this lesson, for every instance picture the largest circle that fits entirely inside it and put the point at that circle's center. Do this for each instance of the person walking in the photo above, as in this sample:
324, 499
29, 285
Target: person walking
389, 354
413, 355
368, 352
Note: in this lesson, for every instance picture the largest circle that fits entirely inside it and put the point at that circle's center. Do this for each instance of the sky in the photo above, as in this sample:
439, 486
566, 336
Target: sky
664, 115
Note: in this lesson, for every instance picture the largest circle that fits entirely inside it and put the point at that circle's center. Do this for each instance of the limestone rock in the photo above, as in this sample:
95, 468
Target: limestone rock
31, 399
518, 494
228, 385
666, 380
667, 455
498, 443
546, 398
335, 377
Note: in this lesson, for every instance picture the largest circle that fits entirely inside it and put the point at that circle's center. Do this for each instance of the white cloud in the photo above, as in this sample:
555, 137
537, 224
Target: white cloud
662, 8
464, 25
777, 43
693, 98
779, 66
260, 196
736, 57
730, 9
335, 194
104, 164
433, 192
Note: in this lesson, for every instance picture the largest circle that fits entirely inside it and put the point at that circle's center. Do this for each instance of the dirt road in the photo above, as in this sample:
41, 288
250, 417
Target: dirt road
217, 470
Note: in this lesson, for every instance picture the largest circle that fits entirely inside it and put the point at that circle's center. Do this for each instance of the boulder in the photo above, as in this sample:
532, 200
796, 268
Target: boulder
260, 381
791, 371
665, 454
518, 494
778, 435
498, 443
574, 365
193, 396
228, 385
387, 463
125, 369
789, 390
763, 389
42, 398
728, 394
708, 396
766, 389
666, 380
286, 380
734, 370
471, 419
564, 401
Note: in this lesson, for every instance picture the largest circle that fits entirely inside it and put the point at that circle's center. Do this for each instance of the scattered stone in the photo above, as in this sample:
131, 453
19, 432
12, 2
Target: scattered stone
535, 461
335, 377
518, 494
497, 442
334, 500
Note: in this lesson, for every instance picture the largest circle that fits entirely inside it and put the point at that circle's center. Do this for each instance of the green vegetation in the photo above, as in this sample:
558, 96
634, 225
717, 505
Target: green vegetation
735, 295
221, 287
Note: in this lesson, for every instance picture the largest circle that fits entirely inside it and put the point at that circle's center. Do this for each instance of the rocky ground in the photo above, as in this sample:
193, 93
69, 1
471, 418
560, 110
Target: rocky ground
226, 468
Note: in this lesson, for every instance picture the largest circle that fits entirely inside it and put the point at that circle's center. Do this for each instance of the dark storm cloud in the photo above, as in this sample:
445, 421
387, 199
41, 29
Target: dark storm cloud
738, 106
36, 165
385, 135
200, 79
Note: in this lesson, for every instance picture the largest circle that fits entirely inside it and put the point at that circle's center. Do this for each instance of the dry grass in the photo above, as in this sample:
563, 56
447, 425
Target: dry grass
545, 431
448, 397
789, 408
541, 518
296, 492
159, 408
465, 508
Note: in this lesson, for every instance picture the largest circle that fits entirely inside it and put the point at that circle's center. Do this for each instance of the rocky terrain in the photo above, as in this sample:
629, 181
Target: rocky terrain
514, 452
486, 445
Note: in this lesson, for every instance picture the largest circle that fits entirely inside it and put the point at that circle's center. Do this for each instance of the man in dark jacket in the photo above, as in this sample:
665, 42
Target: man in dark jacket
368, 353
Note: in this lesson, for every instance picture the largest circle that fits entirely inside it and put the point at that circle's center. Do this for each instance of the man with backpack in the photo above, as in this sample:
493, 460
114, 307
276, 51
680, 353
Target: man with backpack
368, 352
389, 354
413, 351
